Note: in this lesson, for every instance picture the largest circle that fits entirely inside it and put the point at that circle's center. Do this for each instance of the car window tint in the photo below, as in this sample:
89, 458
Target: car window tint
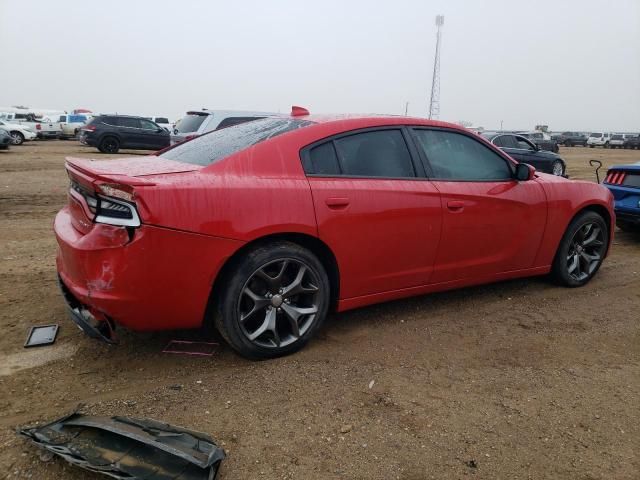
162, 120
147, 125
191, 122
324, 160
218, 144
454, 156
129, 122
523, 143
382, 153
509, 141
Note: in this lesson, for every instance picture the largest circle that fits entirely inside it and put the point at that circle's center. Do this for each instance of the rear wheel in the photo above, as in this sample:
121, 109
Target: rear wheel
581, 251
568, 143
273, 301
606, 144
109, 145
17, 138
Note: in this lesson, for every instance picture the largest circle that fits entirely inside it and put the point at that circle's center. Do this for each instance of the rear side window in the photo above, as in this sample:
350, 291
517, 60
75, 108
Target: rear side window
382, 153
191, 122
454, 156
324, 160
148, 125
162, 120
129, 122
62, 118
230, 121
218, 144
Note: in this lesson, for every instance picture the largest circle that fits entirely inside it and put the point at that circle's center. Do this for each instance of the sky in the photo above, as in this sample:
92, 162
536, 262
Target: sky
572, 65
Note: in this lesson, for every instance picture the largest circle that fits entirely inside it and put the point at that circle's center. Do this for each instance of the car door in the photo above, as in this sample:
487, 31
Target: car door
374, 209
130, 132
491, 222
152, 135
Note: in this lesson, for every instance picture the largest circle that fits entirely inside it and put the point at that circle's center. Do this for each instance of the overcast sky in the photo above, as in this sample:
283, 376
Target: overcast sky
568, 64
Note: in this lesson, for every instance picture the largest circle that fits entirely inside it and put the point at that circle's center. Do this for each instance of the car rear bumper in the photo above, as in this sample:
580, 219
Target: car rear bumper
159, 279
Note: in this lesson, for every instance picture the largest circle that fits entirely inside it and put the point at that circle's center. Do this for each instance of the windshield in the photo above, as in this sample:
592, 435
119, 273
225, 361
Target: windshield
191, 122
218, 144
617, 137
595, 135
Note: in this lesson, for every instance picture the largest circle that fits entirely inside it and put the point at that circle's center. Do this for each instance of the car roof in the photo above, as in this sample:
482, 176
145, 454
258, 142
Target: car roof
231, 113
351, 121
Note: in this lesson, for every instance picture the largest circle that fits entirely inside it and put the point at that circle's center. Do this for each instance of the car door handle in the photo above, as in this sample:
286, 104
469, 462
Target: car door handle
337, 202
455, 205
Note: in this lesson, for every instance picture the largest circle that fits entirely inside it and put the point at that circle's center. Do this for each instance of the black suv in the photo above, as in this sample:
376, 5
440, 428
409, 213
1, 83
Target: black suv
570, 139
110, 133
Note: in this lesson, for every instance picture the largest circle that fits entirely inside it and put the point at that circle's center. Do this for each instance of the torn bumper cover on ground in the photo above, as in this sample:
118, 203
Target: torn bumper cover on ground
129, 448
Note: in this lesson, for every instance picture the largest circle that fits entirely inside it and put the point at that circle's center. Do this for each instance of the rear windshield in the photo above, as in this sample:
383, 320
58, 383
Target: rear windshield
218, 144
191, 122
162, 120
617, 137
595, 135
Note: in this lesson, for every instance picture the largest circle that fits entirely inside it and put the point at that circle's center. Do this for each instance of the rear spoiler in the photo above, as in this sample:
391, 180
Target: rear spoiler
81, 167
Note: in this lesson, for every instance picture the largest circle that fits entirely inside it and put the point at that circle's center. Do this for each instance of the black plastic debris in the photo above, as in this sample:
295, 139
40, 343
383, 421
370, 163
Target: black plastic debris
41, 335
130, 448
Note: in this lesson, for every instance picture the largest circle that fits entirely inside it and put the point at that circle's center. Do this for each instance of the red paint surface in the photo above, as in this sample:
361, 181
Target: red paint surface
390, 238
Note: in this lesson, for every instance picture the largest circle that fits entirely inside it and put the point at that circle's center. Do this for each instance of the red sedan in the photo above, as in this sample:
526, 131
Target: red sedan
261, 229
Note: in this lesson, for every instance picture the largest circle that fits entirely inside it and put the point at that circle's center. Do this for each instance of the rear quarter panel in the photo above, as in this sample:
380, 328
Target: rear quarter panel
566, 198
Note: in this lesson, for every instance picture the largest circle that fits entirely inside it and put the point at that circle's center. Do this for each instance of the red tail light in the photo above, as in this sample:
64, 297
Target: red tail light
615, 178
90, 128
38, 126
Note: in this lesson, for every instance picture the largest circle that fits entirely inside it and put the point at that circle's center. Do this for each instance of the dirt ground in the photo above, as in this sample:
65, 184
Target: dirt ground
515, 380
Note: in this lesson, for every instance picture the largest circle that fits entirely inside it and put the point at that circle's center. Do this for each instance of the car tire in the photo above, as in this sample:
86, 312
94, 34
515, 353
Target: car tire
581, 250
17, 138
557, 168
591, 146
606, 145
568, 143
109, 144
254, 311
627, 226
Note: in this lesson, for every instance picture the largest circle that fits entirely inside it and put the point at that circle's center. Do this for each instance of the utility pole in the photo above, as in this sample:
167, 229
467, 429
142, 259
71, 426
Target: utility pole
434, 104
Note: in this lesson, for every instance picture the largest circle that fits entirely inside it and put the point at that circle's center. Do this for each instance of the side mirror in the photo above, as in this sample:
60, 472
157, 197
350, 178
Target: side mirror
524, 172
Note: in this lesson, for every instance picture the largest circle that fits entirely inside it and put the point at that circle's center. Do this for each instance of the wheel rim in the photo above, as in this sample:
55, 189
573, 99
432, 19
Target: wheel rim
110, 146
557, 168
585, 251
279, 303
15, 138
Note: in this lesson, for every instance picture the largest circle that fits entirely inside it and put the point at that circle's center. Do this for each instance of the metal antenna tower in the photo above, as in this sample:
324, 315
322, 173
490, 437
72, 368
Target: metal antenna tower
434, 104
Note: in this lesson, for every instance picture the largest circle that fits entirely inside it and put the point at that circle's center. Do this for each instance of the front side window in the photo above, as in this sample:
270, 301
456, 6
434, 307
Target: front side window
147, 125
524, 144
382, 153
596, 135
218, 144
455, 156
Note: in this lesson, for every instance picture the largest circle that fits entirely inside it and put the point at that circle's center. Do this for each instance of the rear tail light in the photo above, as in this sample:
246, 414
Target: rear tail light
615, 177
90, 128
111, 204
38, 126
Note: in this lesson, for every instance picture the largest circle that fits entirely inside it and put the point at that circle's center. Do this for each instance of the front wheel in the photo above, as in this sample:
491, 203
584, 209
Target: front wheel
273, 301
568, 143
17, 138
557, 168
581, 250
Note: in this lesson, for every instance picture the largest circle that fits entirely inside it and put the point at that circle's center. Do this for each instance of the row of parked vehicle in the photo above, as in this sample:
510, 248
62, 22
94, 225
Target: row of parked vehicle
598, 139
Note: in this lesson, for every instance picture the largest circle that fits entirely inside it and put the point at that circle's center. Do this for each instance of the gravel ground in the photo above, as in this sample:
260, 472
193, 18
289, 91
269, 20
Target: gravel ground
516, 380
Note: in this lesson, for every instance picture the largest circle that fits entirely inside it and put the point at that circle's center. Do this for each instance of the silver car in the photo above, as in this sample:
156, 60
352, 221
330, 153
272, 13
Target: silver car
197, 122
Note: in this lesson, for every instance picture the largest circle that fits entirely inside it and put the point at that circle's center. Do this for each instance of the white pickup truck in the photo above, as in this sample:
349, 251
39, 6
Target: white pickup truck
42, 126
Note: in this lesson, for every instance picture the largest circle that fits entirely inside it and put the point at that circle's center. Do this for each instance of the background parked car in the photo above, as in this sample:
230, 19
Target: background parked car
542, 140
524, 150
19, 133
599, 139
624, 183
570, 139
5, 139
197, 122
110, 133
45, 128
163, 122
71, 124
632, 142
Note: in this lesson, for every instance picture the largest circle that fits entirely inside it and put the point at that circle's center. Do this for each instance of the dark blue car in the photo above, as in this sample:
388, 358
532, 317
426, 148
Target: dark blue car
624, 183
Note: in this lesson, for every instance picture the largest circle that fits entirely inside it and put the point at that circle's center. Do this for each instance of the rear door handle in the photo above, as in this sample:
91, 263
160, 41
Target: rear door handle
337, 202
455, 205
